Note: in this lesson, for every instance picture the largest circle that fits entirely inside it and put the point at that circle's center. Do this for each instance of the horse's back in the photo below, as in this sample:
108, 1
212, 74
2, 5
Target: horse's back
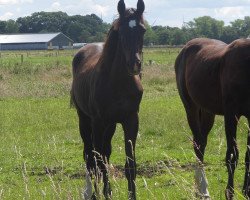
86, 58
198, 73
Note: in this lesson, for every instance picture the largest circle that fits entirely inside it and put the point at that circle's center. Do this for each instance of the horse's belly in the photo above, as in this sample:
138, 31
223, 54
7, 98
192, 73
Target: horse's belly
210, 104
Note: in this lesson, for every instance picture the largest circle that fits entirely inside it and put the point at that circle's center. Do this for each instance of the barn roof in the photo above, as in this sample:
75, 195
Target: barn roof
28, 38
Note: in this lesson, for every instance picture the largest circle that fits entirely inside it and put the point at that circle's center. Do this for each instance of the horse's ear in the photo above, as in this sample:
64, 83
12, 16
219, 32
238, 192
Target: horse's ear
121, 7
140, 7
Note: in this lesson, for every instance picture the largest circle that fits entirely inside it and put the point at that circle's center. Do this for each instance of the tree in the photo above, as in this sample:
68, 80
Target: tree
2, 27
229, 34
24, 24
91, 28
237, 26
11, 26
177, 36
246, 27
163, 34
150, 36
207, 26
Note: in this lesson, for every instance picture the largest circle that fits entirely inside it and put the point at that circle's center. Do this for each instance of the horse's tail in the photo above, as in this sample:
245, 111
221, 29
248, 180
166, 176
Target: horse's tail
71, 101
180, 68
75, 70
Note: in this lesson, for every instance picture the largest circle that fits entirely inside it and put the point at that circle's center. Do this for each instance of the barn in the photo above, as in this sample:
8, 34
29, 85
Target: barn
41, 41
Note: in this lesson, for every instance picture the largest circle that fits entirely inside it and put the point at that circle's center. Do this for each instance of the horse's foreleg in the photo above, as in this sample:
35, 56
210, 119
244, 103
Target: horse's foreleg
107, 148
232, 153
246, 186
130, 127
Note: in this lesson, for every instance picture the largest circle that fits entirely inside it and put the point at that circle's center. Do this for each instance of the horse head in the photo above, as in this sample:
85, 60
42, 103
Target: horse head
131, 30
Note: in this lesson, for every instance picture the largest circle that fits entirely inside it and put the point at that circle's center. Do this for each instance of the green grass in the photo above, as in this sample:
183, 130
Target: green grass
41, 150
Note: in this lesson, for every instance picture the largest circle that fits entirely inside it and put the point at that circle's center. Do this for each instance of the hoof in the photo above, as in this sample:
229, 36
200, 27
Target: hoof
131, 196
202, 196
229, 194
93, 197
107, 191
246, 193
108, 195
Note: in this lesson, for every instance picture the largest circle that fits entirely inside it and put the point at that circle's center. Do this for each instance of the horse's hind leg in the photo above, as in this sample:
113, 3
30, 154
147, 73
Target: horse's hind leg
85, 131
232, 154
200, 123
246, 186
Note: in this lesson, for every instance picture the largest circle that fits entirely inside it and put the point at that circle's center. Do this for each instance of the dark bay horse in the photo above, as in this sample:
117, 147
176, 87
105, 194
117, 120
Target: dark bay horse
106, 90
213, 78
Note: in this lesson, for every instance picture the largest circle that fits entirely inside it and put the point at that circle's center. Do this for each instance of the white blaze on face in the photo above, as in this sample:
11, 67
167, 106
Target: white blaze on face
132, 23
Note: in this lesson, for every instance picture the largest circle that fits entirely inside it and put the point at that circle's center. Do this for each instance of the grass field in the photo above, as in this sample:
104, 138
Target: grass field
41, 149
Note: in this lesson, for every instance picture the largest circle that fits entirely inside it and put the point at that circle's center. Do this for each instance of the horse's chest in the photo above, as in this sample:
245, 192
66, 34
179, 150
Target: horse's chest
118, 105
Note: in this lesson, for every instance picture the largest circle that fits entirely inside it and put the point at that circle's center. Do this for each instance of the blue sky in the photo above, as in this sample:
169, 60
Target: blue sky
158, 12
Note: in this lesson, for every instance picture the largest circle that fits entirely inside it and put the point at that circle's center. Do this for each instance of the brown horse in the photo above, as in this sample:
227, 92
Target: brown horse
106, 90
213, 78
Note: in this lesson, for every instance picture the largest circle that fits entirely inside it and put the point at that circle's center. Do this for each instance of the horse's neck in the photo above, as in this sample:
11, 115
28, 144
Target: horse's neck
109, 50
113, 61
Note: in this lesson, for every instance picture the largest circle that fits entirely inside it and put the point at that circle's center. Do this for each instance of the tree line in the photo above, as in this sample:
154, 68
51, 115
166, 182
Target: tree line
205, 26
91, 28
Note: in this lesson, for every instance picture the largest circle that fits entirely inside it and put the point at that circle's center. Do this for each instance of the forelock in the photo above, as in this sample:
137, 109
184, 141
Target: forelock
129, 14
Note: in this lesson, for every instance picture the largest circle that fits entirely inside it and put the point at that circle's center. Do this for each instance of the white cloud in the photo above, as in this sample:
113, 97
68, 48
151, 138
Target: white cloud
11, 2
6, 16
103, 10
7, 2
26, 1
231, 12
56, 6
160, 12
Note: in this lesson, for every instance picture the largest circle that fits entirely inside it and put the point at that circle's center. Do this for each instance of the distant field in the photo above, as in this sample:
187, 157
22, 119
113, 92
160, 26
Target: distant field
41, 150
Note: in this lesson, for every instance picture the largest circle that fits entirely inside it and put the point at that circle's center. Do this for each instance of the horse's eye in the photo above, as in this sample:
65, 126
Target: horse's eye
142, 28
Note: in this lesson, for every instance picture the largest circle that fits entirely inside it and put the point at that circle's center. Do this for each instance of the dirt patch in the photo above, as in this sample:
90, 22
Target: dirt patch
146, 169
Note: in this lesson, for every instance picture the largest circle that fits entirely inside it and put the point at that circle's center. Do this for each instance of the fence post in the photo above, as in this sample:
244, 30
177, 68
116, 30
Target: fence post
21, 58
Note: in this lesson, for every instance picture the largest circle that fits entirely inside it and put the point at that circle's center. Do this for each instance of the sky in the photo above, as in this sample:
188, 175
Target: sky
158, 12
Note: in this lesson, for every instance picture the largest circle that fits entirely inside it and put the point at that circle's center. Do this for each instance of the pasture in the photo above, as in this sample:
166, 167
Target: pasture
41, 150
